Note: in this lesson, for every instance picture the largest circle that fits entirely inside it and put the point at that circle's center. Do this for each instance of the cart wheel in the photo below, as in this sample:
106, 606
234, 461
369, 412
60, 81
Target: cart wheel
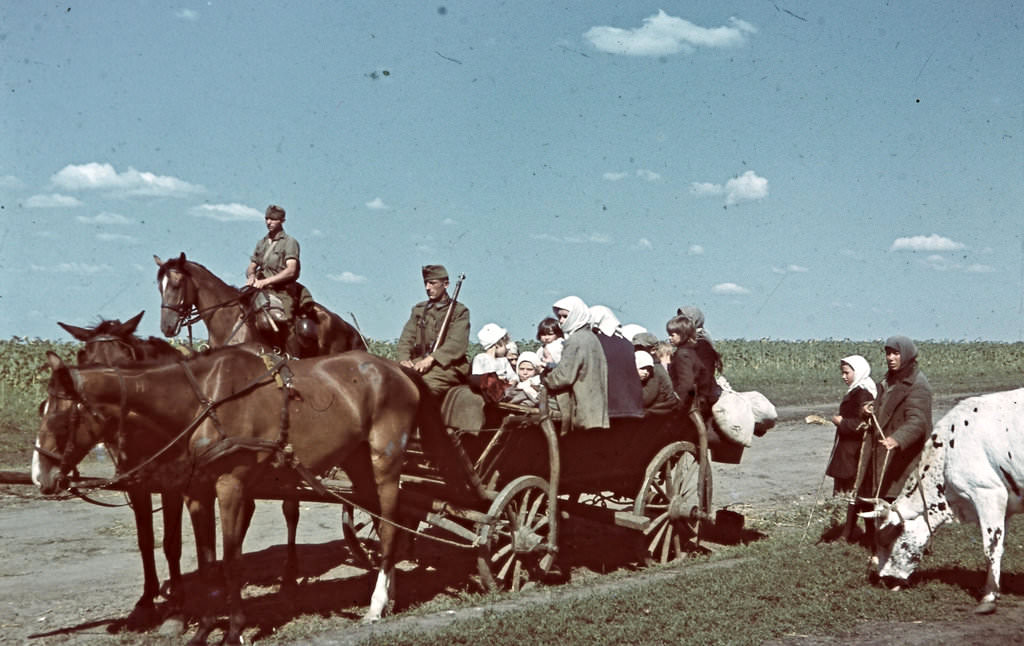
360, 537
514, 548
671, 497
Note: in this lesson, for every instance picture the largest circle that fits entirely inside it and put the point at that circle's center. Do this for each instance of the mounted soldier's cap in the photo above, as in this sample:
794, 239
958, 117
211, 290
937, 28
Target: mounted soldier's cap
434, 272
275, 212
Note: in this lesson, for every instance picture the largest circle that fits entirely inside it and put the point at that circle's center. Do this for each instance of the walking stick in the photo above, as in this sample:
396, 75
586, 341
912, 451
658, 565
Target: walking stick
851, 508
818, 419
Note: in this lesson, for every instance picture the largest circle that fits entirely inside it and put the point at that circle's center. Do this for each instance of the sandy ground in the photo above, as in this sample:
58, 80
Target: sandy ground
69, 570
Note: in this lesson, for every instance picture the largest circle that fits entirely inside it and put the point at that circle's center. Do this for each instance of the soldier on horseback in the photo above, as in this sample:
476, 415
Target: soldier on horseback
274, 268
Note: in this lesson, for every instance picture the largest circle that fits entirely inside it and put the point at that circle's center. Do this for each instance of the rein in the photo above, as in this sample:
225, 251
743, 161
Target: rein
917, 485
208, 411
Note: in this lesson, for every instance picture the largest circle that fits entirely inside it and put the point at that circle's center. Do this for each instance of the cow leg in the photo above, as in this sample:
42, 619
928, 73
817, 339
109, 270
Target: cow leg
173, 590
144, 612
992, 519
235, 513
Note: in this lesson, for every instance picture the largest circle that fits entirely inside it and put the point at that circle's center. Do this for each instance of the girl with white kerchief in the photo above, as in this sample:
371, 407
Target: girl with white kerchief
861, 388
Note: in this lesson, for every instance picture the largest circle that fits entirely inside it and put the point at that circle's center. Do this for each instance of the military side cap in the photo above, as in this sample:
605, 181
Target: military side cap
435, 272
275, 212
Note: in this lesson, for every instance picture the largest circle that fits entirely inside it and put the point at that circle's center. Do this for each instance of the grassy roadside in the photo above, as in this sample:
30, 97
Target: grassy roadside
770, 589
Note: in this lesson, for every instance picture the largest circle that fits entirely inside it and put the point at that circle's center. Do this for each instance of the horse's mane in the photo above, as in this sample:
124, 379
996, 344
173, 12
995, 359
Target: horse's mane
189, 268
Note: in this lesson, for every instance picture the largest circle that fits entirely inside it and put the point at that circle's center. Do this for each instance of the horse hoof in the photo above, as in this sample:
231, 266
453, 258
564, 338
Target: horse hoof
140, 618
985, 608
172, 626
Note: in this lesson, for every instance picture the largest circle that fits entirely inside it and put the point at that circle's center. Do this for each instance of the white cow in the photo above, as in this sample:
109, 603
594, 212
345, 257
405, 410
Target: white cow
972, 470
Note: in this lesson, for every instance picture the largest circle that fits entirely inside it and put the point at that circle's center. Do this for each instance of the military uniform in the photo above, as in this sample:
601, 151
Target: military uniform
271, 256
421, 330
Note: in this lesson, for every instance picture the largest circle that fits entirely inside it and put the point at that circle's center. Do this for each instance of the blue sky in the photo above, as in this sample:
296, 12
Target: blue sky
797, 170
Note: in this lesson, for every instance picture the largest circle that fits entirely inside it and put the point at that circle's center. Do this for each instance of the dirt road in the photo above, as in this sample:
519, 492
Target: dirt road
69, 570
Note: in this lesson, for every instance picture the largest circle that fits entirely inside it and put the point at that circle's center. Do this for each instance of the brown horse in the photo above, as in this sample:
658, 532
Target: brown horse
113, 343
190, 291
352, 410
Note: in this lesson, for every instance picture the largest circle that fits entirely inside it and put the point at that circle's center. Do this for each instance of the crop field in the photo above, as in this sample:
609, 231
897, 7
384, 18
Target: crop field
788, 372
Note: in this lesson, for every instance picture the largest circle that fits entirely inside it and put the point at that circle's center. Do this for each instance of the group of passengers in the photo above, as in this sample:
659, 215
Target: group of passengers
598, 369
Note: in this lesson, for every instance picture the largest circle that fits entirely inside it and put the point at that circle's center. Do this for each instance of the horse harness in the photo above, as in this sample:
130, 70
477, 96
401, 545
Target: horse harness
277, 372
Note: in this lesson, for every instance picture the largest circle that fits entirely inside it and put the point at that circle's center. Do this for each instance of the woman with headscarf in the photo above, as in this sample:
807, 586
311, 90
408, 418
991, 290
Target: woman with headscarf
861, 389
625, 392
903, 410
580, 380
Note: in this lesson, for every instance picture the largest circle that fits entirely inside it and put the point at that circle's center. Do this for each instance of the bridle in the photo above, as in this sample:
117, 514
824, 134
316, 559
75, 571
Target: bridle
69, 471
187, 308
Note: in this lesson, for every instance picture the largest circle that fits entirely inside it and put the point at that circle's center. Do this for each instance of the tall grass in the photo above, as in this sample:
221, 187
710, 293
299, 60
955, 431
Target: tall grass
787, 372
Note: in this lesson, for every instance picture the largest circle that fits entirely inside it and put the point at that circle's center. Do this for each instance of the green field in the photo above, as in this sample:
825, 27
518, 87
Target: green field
788, 372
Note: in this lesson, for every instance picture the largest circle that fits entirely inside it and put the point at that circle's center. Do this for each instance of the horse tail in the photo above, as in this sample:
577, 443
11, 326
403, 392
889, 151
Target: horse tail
443, 450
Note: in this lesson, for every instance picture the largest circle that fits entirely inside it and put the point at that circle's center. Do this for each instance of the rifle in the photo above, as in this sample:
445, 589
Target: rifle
448, 315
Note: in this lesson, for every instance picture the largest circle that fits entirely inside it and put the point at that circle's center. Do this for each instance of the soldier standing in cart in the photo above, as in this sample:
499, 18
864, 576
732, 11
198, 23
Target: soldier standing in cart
435, 339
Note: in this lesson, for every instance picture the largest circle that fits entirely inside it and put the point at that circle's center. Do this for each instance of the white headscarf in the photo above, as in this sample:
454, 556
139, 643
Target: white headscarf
579, 314
531, 358
630, 330
604, 319
861, 374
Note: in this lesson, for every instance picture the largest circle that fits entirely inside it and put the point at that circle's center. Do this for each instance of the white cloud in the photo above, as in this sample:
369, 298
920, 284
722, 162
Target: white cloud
977, 268
729, 288
614, 176
789, 269
377, 204
704, 189
96, 176
71, 268
662, 34
644, 243
597, 238
53, 200
104, 218
11, 182
747, 187
695, 250
187, 14
347, 277
449, 221
648, 175
115, 237
233, 212
942, 263
934, 242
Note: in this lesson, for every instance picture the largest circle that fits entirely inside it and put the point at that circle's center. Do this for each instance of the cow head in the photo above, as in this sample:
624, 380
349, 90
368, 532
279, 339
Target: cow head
900, 539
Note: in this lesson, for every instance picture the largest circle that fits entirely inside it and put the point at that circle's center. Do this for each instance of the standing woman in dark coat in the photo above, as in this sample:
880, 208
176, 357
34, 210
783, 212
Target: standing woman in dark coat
904, 413
842, 468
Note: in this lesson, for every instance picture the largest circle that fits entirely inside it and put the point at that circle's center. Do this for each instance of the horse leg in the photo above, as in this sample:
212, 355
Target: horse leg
200, 509
234, 516
144, 612
173, 590
290, 509
386, 471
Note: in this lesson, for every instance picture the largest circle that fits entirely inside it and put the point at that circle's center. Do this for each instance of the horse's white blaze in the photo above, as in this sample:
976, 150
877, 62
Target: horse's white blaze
163, 284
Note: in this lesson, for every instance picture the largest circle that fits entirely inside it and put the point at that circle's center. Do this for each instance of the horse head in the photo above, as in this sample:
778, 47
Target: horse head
177, 294
70, 427
108, 343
